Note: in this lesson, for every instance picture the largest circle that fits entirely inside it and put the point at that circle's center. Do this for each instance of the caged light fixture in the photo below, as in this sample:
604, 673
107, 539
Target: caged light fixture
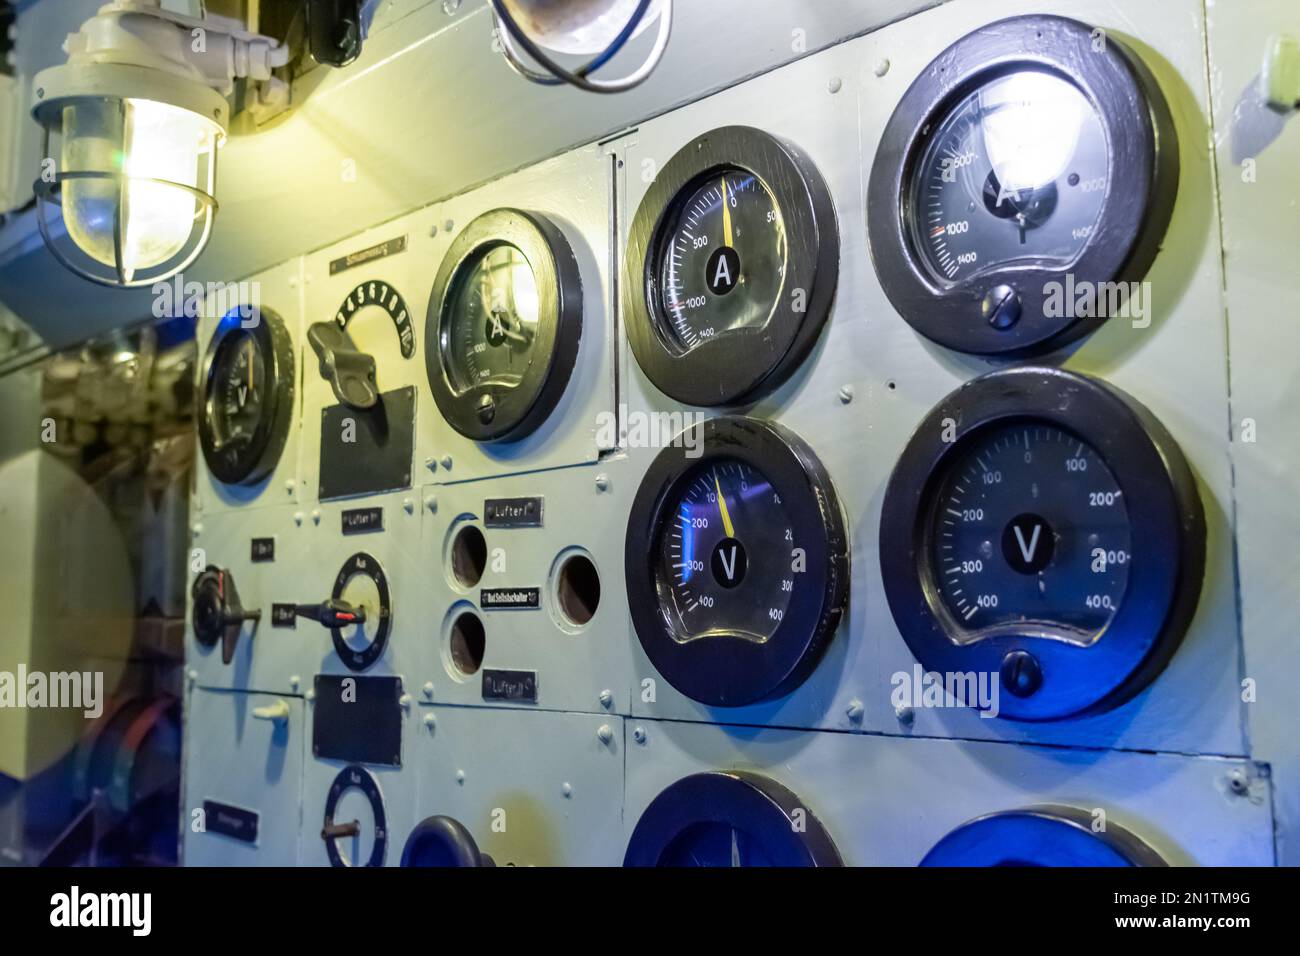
595, 29
139, 111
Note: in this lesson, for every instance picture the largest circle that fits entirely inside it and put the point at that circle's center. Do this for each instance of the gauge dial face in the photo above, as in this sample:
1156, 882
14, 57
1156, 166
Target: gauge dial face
724, 555
723, 258
1030, 531
238, 396
1017, 172
492, 319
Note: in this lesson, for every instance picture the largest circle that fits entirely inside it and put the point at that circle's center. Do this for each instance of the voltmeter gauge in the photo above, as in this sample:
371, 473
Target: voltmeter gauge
1041, 836
729, 820
736, 562
505, 320
731, 268
1025, 179
1043, 527
355, 829
248, 389
358, 613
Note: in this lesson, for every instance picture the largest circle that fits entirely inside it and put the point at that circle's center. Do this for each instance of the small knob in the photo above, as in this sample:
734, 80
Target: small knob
1001, 307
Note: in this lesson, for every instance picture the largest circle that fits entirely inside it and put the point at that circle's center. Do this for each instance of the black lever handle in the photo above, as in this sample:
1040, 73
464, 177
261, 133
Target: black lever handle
332, 613
350, 372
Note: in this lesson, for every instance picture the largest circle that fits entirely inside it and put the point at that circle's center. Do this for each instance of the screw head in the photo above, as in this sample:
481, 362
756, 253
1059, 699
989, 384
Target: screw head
605, 733
298, 518
408, 505
639, 735
404, 701
855, 710
882, 67
431, 502
315, 515
1021, 673
602, 482
428, 689
460, 776
1001, 307
846, 394
446, 462
430, 721
487, 409
606, 698
294, 682
905, 714
1238, 782
567, 789
834, 85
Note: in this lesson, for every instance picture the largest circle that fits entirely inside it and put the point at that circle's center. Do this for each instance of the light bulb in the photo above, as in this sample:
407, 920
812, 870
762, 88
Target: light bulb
153, 145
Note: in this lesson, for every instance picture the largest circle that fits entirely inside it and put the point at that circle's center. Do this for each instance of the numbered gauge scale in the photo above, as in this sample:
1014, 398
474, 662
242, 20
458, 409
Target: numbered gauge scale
503, 326
1043, 527
248, 388
736, 562
1028, 168
731, 267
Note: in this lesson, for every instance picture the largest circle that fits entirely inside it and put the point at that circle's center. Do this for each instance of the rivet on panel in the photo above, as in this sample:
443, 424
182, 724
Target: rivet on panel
905, 715
431, 502
460, 776
428, 689
602, 482
294, 682
567, 789
297, 517
430, 721
404, 701
846, 394
446, 462
315, 515
835, 84
882, 67
605, 733
606, 698
408, 505
639, 735
854, 710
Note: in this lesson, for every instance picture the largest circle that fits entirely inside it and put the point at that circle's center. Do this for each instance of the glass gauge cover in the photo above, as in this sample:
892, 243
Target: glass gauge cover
730, 269
247, 396
506, 316
1056, 836
1022, 188
736, 562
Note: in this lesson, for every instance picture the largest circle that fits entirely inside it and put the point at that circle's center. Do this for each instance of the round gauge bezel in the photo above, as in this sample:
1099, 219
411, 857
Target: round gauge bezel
731, 670
1050, 835
741, 365
747, 801
452, 836
357, 777
365, 564
1142, 185
519, 409
271, 339
1167, 533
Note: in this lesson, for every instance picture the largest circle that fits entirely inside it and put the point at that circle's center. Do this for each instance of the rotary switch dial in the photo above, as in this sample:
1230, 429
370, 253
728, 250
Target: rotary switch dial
358, 613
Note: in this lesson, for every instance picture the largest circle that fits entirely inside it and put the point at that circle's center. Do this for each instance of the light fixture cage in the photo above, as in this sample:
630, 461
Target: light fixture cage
104, 104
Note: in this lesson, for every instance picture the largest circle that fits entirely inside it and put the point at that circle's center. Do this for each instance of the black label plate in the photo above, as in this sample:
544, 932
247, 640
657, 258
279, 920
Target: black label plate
510, 599
367, 452
363, 520
234, 822
263, 550
510, 685
513, 512
357, 719
284, 615
381, 251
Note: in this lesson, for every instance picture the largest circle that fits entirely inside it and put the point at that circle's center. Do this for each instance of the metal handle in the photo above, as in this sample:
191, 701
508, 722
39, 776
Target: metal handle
277, 713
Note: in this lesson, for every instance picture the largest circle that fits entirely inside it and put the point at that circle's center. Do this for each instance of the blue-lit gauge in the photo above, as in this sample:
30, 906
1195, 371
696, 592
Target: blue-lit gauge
1044, 528
1030, 527
247, 396
355, 829
1042, 836
729, 820
736, 562
724, 259
716, 568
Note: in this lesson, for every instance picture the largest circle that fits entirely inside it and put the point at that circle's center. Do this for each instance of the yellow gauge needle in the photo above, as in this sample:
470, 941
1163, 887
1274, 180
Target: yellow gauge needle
722, 507
727, 239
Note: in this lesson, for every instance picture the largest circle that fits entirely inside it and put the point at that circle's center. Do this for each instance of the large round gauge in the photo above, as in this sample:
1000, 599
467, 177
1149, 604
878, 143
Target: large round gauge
731, 268
361, 584
1041, 836
248, 392
504, 324
736, 562
729, 819
1025, 180
355, 829
1043, 527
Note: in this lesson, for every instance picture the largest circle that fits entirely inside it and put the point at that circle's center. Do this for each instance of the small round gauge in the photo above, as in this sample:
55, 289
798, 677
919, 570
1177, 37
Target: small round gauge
506, 317
731, 267
1027, 173
726, 237
1055, 836
247, 396
1043, 527
362, 584
736, 562
729, 819
355, 829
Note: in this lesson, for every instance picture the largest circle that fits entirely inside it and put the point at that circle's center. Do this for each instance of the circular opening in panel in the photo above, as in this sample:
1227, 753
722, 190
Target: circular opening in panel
467, 642
468, 556
577, 589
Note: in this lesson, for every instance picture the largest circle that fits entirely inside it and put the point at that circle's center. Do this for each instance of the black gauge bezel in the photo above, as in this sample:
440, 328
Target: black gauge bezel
262, 453
1167, 531
747, 801
518, 410
1068, 831
357, 777
729, 670
1142, 184
366, 564
742, 365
